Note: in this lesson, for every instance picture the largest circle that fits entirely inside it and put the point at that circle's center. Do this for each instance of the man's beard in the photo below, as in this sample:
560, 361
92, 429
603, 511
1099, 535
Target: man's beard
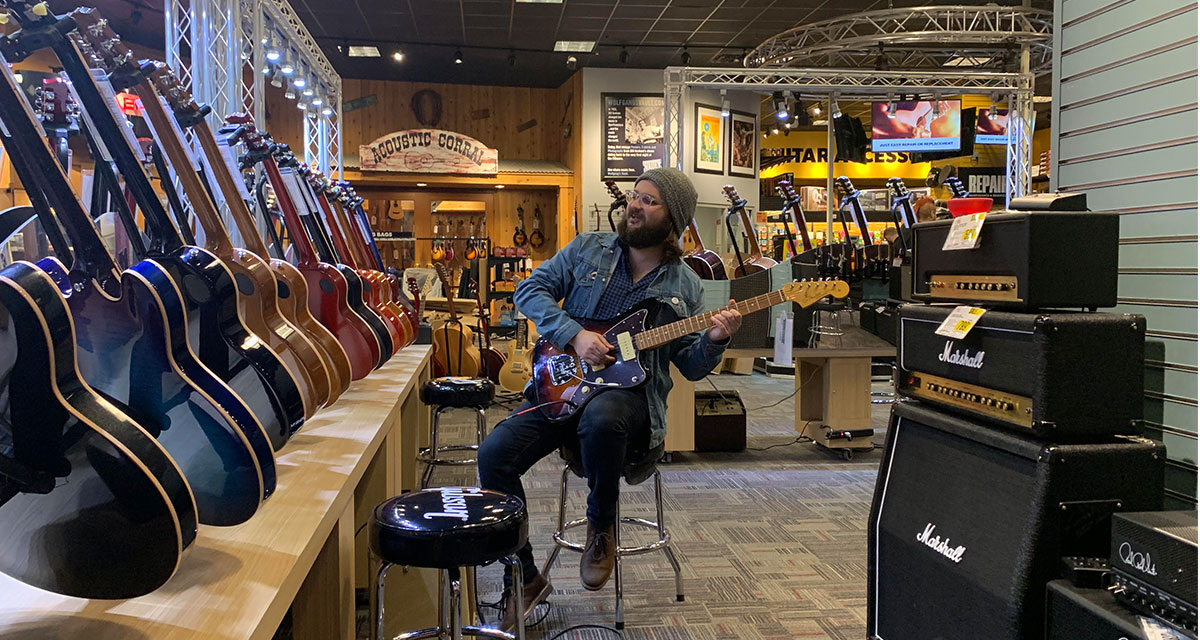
645, 236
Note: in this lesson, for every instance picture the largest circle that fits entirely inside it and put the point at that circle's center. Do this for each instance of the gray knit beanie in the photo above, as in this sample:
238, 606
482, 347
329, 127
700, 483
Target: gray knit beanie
677, 193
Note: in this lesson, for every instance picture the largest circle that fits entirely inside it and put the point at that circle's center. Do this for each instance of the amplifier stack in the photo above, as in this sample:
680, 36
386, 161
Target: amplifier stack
1015, 443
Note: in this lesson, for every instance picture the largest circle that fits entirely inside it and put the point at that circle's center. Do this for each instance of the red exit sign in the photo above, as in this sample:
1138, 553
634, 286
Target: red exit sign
130, 104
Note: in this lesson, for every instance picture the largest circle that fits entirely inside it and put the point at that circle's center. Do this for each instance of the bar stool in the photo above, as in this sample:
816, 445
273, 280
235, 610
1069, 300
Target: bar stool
822, 328
447, 528
449, 393
644, 465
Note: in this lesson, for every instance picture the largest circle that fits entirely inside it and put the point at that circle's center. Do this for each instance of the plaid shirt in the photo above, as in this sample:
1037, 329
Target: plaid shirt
622, 293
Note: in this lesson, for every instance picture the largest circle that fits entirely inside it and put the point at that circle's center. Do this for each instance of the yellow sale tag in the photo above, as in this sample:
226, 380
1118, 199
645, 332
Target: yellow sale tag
965, 232
959, 322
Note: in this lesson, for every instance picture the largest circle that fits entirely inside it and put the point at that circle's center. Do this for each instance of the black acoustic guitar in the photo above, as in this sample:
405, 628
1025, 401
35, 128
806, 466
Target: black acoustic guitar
215, 331
131, 347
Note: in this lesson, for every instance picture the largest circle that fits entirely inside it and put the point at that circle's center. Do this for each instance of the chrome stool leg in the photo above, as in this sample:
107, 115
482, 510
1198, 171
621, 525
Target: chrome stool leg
617, 567
560, 529
662, 535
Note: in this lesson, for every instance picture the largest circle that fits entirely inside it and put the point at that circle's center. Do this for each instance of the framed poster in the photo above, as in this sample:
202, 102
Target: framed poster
743, 144
709, 145
632, 141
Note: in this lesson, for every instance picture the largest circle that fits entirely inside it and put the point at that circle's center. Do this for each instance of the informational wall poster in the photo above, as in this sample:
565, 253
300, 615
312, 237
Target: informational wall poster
633, 126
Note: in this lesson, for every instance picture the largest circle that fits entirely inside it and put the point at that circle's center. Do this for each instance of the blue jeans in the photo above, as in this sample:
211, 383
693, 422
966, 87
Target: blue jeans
609, 424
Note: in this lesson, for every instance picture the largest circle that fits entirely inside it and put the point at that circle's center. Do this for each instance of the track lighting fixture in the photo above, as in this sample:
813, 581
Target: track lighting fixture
458, 56
290, 93
623, 57
327, 111
724, 105
937, 105
891, 109
398, 55
780, 102
685, 57
992, 108
572, 62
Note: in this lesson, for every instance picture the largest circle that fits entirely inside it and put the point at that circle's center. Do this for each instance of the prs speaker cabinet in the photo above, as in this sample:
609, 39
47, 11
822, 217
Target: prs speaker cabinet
1027, 261
969, 523
1057, 375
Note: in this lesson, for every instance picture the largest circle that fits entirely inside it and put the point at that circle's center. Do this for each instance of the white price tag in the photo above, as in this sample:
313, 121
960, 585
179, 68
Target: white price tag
230, 158
960, 322
110, 101
965, 232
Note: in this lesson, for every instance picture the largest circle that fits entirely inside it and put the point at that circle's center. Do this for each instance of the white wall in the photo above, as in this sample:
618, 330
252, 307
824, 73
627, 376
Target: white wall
597, 81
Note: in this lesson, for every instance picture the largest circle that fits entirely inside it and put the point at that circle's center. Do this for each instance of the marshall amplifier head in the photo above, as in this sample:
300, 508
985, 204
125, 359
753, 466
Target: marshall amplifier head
1032, 260
1153, 559
968, 523
1065, 376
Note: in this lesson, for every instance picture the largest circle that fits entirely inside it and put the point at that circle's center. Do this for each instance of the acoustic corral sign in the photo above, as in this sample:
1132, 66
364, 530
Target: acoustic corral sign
428, 151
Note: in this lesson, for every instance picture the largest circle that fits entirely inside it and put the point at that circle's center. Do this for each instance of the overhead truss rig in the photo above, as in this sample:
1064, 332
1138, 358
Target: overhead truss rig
858, 84
219, 49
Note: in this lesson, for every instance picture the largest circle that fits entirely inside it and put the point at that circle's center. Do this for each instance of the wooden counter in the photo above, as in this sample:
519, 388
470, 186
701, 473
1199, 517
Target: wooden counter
238, 582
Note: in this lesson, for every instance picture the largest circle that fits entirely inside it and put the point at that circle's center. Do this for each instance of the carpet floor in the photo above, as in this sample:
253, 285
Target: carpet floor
772, 540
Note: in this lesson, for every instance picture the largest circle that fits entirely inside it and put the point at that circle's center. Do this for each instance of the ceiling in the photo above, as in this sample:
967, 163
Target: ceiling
504, 42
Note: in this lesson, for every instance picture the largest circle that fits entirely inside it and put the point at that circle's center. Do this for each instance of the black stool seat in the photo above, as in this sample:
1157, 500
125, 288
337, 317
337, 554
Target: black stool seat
452, 391
448, 527
640, 462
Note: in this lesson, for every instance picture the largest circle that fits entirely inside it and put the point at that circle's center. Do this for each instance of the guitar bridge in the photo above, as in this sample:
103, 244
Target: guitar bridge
563, 368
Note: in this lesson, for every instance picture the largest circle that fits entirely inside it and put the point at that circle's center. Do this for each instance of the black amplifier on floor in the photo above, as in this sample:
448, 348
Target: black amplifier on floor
1031, 260
720, 421
1153, 562
1058, 375
1073, 613
968, 523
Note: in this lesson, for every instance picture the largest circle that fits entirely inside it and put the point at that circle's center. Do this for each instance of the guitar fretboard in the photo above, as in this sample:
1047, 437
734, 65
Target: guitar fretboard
658, 336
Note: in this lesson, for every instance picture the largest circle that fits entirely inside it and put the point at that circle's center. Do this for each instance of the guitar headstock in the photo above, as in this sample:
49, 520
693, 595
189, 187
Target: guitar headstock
55, 105
178, 98
98, 39
786, 190
731, 194
897, 187
809, 292
845, 187
444, 275
616, 193
957, 188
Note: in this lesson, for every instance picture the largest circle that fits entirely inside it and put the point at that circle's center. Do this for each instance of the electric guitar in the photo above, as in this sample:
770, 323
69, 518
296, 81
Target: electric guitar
519, 365
59, 115
757, 261
471, 252
871, 258
328, 288
491, 361
214, 329
792, 208
438, 251
360, 229
565, 383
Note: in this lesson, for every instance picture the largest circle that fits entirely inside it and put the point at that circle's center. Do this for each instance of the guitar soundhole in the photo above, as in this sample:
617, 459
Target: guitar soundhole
283, 290
196, 288
327, 287
244, 284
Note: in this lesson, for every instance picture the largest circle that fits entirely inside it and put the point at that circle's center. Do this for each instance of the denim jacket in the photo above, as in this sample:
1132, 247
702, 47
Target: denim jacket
577, 275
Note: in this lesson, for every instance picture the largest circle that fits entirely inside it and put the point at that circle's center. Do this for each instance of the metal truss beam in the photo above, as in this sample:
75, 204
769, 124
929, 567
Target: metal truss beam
984, 37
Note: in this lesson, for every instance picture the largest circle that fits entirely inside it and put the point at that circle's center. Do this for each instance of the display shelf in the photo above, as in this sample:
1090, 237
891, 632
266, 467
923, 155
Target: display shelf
239, 582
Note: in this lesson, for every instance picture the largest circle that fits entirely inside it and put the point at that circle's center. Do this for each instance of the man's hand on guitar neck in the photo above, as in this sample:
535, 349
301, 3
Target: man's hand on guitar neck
725, 324
592, 348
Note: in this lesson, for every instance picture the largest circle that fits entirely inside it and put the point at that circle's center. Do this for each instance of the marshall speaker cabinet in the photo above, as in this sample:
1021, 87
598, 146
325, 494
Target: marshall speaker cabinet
1058, 375
969, 523
1041, 260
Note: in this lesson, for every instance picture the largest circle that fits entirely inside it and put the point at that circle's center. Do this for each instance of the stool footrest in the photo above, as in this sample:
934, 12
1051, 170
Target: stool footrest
664, 540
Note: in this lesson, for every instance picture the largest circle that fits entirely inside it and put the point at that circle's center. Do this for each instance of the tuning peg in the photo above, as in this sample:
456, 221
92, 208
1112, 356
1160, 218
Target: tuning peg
41, 9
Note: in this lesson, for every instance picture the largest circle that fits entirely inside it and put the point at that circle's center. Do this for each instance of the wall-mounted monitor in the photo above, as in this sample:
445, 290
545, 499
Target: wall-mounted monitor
914, 126
992, 128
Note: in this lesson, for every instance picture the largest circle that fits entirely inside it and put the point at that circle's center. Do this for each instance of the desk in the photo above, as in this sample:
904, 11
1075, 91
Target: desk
833, 390
238, 582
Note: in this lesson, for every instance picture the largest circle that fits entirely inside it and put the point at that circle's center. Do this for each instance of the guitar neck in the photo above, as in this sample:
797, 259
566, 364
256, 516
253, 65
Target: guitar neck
164, 237
751, 232
658, 336
797, 214
335, 230
304, 247
860, 218
216, 238
306, 207
364, 227
48, 187
226, 182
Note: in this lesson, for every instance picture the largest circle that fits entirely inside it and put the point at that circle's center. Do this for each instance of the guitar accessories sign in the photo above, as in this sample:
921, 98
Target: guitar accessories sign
428, 151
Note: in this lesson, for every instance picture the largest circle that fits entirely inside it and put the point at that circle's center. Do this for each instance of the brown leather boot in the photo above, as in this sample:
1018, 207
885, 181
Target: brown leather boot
599, 556
536, 591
